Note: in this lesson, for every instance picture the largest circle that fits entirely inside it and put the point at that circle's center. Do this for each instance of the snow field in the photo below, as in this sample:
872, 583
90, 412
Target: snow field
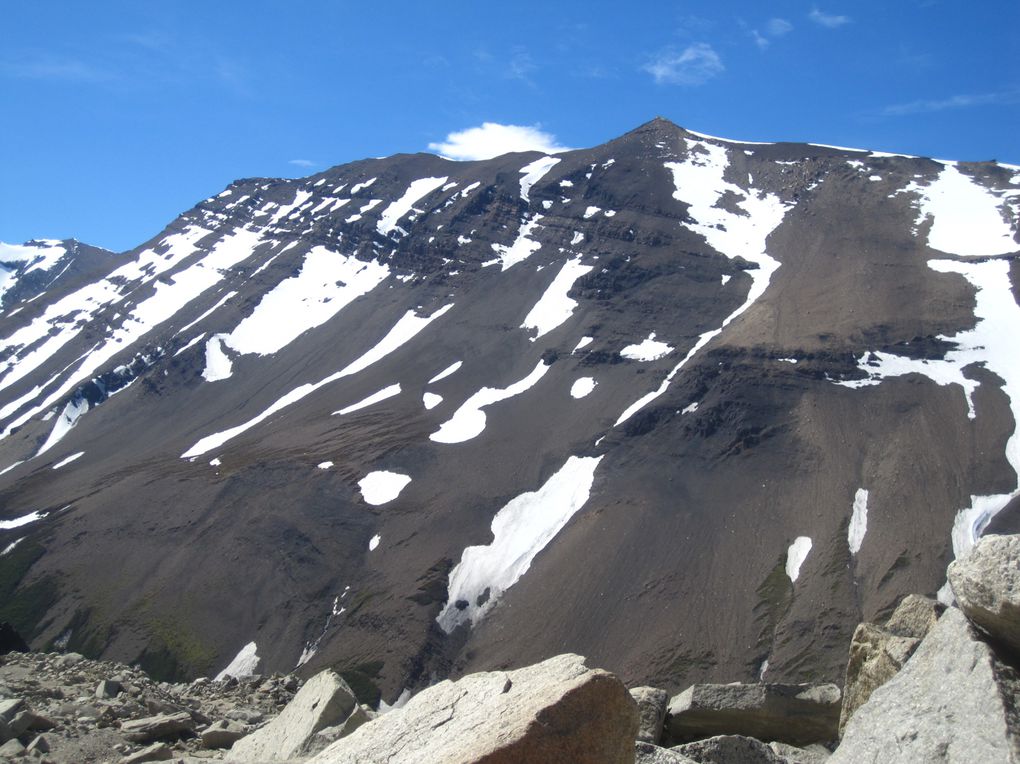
554, 306
796, 555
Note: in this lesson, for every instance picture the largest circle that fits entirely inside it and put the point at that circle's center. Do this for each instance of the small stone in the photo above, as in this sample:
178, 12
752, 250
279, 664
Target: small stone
156, 727
69, 659
222, 734
11, 749
11, 707
155, 752
108, 688
652, 703
40, 743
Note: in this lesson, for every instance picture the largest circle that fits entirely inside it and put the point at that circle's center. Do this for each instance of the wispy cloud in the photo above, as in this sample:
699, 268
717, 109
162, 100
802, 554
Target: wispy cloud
830, 20
302, 162
520, 66
965, 101
694, 65
492, 139
773, 29
55, 69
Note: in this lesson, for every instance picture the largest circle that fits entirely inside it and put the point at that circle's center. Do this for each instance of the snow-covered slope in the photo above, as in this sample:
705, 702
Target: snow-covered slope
410, 416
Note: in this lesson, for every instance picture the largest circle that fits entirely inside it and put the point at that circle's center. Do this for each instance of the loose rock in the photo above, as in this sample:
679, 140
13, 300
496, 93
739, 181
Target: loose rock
729, 749
156, 727
652, 704
876, 656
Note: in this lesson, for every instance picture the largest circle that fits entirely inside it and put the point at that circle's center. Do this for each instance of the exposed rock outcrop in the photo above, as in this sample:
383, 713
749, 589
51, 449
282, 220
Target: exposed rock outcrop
652, 704
555, 711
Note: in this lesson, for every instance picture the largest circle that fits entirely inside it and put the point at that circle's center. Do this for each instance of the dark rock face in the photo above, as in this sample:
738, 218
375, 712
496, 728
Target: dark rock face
10, 640
204, 409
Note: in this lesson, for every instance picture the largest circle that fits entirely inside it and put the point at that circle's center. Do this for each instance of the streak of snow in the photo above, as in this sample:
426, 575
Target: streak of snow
592, 212
858, 521
690, 408
451, 369
582, 343
796, 555
577, 238
649, 349
17, 522
213, 309
10, 547
533, 172
374, 542
582, 387
700, 184
73, 411
521, 529
191, 343
365, 208
324, 465
359, 186
468, 421
245, 663
402, 332
68, 460
381, 487
523, 247
397, 209
386, 392
400, 702
554, 306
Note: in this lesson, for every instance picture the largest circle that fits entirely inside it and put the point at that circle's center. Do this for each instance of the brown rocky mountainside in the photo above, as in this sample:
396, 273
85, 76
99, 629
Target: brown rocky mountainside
688, 407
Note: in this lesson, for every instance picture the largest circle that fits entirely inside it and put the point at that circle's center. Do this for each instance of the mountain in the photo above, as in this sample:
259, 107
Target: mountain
688, 406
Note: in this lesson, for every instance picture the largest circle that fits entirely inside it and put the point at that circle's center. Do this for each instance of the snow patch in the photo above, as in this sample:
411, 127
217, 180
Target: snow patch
858, 521
555, 307
451, 369
796, 555
431, 400
649, 349
324, 465
533, 172
582, 387
591, 212
17, 522
73, 411
583, 343
521, 529
374, 542
10, 547
522, 248
468, 421
381, 487
217, 364
400, 207
68, 460
386, 392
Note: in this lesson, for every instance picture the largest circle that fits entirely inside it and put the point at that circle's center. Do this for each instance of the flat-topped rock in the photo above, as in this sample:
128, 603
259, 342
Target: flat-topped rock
799, 714
986, 582
549, 713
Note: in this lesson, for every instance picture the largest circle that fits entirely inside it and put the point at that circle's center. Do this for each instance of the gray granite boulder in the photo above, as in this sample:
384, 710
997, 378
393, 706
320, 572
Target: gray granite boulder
324, 701
555, 711
952, 702
799, 714
652, 704
729, 749
876, 656
915, 616
986, 582
647, 753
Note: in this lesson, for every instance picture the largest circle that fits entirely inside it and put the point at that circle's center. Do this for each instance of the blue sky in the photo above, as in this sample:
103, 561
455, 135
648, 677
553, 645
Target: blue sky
117, 116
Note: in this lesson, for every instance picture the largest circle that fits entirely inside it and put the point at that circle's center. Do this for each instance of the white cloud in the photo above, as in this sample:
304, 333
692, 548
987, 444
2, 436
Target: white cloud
773, 28
492, 139
695, 65
301, 162
778, 27
827, 19
965, 101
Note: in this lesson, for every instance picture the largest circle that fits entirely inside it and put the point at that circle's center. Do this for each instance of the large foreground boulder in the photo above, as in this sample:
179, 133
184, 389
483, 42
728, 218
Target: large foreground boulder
799, 714
986, 582
555, 711
877, 654
952, 702
324, 701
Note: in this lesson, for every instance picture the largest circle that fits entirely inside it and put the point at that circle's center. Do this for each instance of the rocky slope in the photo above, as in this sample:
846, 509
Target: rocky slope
412, 418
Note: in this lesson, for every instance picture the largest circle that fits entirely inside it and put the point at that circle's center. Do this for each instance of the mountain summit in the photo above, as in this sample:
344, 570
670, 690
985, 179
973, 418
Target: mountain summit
688, 406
